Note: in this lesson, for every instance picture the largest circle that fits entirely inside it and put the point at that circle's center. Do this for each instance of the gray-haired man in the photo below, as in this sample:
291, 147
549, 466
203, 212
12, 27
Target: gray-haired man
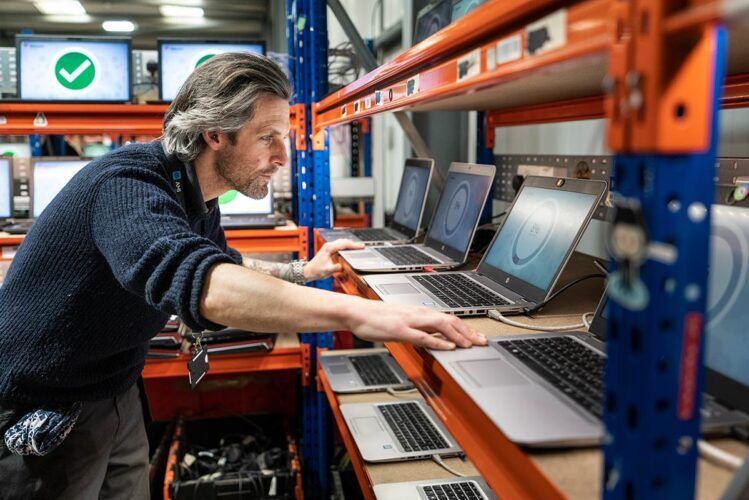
133, 238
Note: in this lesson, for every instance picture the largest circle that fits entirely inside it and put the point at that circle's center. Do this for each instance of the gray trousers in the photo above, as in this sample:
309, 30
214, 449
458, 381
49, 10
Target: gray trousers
104, 456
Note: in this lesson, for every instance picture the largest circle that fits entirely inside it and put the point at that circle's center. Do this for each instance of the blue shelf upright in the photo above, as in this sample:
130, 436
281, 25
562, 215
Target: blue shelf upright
308, 68
657, 289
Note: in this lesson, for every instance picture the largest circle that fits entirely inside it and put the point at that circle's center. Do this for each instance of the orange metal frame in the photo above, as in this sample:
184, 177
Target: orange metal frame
270, 240
9, 241
359, 220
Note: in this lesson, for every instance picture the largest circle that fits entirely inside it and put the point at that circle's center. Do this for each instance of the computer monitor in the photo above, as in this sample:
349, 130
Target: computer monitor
49, 177
15, 149
431, 19
235, 203
5, 187
178, 58
78, 69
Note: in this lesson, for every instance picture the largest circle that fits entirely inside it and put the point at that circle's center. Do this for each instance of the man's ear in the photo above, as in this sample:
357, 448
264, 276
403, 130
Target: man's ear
214, 139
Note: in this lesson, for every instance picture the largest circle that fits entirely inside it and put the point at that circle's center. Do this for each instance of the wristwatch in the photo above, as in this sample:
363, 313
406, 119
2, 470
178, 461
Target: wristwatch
297, 271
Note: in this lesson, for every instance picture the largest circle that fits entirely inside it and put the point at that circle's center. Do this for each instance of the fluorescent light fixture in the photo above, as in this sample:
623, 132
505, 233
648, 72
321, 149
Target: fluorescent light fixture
119, 26
180, 11
60, 7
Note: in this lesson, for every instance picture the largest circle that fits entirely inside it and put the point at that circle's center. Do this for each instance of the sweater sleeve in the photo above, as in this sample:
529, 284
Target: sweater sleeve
143, 234
219, 238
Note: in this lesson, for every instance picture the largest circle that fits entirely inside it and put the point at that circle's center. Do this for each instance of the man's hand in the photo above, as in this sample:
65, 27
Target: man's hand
380, 322
322, 265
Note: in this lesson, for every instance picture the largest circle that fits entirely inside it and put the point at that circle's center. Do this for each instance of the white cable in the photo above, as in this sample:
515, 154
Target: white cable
720, 457
585, 319
441, 463
495, 314
399, 392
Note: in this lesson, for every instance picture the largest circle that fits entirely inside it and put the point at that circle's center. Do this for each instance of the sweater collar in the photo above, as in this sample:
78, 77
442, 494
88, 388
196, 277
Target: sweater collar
194, 202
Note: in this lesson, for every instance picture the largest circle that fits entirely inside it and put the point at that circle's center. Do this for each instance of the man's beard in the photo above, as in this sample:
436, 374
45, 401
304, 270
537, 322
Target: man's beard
255, 187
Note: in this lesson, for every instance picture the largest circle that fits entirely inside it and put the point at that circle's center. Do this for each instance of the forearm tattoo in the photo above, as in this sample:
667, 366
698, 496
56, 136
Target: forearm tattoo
276, 269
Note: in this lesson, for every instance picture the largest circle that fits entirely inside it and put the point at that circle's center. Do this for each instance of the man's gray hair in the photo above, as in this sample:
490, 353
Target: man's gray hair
220, 95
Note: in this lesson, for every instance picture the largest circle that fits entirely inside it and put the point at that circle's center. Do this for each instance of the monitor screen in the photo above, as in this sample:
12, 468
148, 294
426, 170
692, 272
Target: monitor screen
727, 336
85, 69
177, 59
235, 203
458, 209
411, 195
49, 177
5, 180
537, 234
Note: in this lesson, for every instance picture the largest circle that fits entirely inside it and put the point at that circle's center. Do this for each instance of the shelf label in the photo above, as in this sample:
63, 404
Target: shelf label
343, 110
9, 252
357, 106
546, 34
40, 120
378, 98
509, 49
367, 102
412, 85
469, 65
3, 120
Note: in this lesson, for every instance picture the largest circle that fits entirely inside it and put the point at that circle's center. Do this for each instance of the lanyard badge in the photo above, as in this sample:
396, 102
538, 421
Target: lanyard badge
197, 367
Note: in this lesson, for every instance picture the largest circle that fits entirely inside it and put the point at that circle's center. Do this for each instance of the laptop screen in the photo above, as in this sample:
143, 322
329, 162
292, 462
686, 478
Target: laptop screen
235, 203
74, 69
49, 177
458, 211
5, 180
178, 58
411, 196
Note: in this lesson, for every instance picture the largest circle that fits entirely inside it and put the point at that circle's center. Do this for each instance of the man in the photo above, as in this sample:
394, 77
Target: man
133, 238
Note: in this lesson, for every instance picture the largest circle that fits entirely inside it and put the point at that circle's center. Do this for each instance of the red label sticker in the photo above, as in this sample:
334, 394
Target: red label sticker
690, 365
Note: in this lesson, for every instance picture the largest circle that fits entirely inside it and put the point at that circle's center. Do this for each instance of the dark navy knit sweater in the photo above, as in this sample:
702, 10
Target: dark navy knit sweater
113, 255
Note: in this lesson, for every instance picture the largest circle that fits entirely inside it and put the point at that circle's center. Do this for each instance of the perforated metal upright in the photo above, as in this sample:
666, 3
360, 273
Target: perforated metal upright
663, 107
308, 65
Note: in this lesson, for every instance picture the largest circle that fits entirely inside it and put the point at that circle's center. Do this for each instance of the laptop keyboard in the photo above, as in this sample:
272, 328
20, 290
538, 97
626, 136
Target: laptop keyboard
372, 234
253, 220
412, 428
406, 256
568, 365
373, 370
457, 290
461, 490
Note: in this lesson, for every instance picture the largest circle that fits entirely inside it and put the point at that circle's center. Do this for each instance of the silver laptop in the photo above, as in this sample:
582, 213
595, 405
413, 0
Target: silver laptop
450, 232
401, 430
464, 488
409, 209
367, 371
242, 212
528, 253
6, 192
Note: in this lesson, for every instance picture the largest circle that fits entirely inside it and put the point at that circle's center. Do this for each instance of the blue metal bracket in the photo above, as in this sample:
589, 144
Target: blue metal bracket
654, 365
485, 155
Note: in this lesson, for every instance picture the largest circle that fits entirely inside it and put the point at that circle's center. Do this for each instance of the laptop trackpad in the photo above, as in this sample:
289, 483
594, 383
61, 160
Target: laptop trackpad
363, 254
339, 369
367, 425
398, 288
490, 373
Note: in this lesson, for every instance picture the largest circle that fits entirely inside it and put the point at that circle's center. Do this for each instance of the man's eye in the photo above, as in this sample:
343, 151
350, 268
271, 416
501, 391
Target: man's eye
267, 138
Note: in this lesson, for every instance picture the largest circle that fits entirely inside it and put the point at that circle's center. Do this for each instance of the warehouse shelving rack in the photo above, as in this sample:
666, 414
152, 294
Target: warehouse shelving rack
663, 66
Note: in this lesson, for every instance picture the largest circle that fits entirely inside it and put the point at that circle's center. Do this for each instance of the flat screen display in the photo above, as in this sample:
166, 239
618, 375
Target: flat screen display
235, 203
50, 176
5, 181
411, 195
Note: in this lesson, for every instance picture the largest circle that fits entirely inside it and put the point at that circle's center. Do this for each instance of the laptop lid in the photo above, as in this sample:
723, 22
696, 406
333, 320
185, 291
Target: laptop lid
541, 230
6, 179
726, 339
412, 196
459, 208
49, 176
83, 69
235, 203
178, 58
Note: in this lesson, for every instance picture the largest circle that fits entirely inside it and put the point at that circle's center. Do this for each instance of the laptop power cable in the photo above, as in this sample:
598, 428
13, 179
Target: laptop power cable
495, 314
718, 456
438, 460
400, 392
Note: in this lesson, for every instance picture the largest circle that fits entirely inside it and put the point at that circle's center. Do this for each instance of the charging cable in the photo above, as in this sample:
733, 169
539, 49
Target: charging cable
495, 314
438, 460
718, 456
400, 392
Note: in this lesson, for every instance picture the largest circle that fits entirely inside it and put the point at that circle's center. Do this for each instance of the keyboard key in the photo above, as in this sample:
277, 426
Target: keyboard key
457, 290
460, 490
372, 234
412, 427
406, 256
373, 370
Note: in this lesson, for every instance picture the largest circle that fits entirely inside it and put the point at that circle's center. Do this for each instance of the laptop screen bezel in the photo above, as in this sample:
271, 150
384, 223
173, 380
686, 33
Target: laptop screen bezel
477, 169
160, 42
9, 159
91, 39
726, 390
521, 287
424, 163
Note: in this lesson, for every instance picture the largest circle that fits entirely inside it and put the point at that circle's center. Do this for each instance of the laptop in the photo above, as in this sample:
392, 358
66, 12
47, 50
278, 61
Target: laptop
367, 371
521, 266
450, 232
464, 488
409, 209
49, 176
401, 430
6, 179
515, 383
242, 212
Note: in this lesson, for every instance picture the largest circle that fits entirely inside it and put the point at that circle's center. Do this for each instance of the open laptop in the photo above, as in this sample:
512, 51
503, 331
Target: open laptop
528, 253
450, 232
409, 209
464, 488
242, 212
6, 179
366, 371
515, 383
49, 176
401, 430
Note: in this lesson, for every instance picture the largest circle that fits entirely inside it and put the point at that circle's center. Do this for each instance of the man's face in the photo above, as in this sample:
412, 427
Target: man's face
258, 150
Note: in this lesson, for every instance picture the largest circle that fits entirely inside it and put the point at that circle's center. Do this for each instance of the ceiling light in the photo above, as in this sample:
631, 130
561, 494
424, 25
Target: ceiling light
60, 7
180, 11
120, 26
